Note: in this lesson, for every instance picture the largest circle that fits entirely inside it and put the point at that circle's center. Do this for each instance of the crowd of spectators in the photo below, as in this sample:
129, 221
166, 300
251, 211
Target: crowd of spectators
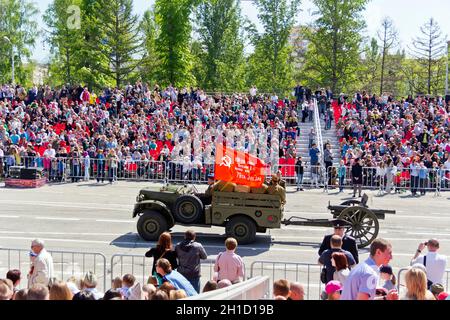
126, 129
371, 279
397, 140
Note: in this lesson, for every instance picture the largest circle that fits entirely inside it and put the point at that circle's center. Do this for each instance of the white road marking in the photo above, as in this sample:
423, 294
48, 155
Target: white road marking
56, 219
9, 217
116, 221
103, 207
63, 233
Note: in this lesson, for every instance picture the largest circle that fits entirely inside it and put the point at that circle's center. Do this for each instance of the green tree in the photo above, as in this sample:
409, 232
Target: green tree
369, 71
333, 56
173, 42
18, 24
388, 36
272, 57
148, 66
119, 41
219, 30
92, 64
64, 38
429, 50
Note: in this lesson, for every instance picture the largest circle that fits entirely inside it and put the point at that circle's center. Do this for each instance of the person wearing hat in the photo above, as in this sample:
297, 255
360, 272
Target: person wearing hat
206, 198
333, 290
436, 289
275, 188
348, 243
434, 262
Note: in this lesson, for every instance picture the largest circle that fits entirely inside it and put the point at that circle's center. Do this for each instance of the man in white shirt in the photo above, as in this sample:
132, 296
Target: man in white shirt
41, 271
49, 152
435, 263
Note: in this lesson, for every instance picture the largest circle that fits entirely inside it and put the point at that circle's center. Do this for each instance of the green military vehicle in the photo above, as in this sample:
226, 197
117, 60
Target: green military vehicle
242, 214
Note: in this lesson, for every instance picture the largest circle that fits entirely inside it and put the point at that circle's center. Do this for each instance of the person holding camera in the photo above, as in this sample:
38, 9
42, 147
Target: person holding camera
434, 263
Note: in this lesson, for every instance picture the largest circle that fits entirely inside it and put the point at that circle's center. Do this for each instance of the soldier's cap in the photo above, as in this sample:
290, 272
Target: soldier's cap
210, 176
340, 223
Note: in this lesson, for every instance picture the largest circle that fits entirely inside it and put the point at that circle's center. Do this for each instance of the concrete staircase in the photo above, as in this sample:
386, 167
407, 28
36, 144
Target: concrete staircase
303, 145
331, 136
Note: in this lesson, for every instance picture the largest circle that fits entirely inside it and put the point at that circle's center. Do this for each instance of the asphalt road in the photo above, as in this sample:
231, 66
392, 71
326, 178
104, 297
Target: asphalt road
97, 218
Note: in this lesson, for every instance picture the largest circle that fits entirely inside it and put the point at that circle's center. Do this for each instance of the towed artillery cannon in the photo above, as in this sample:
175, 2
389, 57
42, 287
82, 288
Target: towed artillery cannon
361, 221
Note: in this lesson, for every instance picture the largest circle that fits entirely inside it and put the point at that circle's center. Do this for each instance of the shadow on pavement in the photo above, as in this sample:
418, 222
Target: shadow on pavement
212, 243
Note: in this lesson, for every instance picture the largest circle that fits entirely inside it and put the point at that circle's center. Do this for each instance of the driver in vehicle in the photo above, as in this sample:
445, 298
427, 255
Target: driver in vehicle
206, 197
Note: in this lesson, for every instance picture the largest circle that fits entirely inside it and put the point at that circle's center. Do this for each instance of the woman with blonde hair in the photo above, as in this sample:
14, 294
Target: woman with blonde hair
177, 294
416, 286
60, 291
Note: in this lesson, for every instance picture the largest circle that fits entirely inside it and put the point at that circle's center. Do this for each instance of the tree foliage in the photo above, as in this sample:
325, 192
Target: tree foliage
270, 67
221, 37
173, 42
148, 66
18, 24
333, 56
389, 37
429, 49
64, 39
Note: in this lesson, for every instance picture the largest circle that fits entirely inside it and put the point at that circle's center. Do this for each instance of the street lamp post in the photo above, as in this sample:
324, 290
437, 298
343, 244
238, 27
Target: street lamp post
12, 57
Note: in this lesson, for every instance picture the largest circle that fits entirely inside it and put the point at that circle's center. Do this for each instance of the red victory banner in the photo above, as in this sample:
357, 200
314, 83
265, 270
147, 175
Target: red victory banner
238, 167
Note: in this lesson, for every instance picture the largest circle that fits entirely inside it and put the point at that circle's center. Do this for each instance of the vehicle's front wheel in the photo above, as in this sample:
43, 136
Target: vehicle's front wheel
188, 209
151, 224
243, 229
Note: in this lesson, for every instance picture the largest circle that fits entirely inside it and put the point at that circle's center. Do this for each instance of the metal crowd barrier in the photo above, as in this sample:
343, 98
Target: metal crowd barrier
141, 267
177, 172
306, 273
77, 169
401, 280
399, 181
66, 264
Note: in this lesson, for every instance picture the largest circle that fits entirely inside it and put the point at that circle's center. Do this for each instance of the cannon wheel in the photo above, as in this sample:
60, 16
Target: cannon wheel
364, 224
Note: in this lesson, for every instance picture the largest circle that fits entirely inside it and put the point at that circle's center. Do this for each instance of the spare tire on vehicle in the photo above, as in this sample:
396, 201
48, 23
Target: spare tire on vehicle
188, 209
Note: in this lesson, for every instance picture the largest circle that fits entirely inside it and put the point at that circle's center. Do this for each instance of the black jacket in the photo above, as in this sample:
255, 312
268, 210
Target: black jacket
156, 254
189, 254
348, 244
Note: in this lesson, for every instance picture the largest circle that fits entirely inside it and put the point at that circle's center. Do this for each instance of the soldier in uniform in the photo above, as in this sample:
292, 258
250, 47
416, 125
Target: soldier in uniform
206, 197
281, 182
348, 243
275, 188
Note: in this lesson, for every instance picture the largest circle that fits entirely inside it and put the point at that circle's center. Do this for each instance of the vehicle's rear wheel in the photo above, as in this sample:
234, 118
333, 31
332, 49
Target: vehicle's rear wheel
243, 229
151, 224
188, 209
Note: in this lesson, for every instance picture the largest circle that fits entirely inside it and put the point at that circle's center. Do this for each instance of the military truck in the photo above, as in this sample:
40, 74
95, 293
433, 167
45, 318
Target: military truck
242, 214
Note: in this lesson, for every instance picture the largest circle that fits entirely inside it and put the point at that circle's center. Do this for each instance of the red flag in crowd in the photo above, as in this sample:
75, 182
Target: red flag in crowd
238, 167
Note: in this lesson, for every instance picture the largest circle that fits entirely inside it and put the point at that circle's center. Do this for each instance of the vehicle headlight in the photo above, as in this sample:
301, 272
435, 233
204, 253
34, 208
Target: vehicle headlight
140, 198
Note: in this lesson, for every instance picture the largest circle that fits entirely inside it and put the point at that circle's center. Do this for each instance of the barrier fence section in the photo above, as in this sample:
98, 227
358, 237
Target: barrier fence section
306, 273
178, 172
141, 267
85, 169
253, 289
66, 264
401, 280
391, 180
76, 169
